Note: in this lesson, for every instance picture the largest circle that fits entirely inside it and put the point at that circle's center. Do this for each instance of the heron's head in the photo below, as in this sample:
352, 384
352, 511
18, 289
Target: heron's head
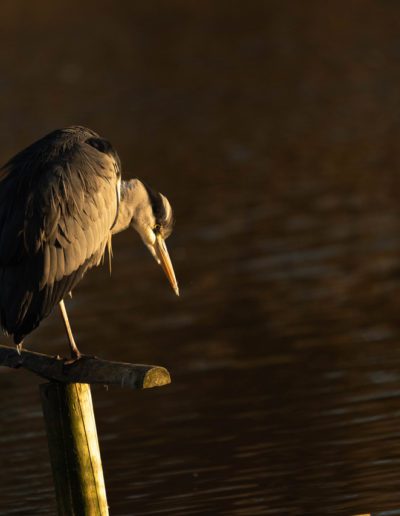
153, 220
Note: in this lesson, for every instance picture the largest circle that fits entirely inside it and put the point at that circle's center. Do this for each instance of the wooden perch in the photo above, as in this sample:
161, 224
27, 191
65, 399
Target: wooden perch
86, 370
74, 449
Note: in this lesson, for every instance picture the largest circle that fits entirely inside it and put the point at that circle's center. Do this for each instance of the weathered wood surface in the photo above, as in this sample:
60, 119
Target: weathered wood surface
86, 370
74, 449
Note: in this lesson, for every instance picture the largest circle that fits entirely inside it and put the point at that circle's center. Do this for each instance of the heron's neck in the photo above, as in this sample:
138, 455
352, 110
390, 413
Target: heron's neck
128, 204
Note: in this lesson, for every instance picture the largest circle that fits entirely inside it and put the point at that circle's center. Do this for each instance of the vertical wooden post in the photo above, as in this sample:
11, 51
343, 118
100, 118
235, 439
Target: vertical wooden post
74, 449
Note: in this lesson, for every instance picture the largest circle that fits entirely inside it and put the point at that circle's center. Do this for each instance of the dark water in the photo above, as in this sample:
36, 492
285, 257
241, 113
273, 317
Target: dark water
273, 127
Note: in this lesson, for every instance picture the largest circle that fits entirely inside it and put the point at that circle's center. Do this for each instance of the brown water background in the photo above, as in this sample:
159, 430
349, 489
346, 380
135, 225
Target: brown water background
273, 127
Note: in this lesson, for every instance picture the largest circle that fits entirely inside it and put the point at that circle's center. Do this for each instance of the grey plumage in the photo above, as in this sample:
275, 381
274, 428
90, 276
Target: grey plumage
60, 201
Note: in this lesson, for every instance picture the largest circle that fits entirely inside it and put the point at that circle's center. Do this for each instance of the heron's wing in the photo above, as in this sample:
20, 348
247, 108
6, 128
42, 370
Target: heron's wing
55, 222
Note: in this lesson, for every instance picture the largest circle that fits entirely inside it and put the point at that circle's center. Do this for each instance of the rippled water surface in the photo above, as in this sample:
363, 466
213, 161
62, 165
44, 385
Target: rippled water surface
273, 127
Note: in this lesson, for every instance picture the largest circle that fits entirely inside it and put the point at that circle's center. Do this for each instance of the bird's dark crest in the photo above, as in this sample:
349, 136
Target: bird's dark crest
164, 218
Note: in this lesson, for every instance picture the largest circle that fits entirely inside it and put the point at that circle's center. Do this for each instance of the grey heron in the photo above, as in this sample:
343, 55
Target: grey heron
61, 200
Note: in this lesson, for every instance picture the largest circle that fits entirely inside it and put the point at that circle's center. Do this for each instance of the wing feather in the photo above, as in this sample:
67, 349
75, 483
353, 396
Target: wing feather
61, 269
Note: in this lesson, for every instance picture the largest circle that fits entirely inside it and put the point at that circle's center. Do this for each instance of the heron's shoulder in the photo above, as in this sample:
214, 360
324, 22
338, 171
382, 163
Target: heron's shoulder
68, 153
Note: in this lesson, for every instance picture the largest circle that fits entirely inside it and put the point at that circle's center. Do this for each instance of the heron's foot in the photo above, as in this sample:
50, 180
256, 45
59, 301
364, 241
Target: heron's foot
77, 358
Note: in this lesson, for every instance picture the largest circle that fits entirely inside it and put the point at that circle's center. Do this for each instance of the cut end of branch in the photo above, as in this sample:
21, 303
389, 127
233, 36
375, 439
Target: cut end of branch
156, 377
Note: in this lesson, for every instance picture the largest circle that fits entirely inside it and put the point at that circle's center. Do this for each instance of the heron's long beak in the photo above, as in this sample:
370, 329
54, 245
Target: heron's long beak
162, 256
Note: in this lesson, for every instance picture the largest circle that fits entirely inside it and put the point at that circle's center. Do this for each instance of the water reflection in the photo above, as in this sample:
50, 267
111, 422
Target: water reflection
273, 130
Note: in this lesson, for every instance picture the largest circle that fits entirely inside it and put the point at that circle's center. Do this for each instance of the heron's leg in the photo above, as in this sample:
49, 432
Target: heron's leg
19, 348
75, 353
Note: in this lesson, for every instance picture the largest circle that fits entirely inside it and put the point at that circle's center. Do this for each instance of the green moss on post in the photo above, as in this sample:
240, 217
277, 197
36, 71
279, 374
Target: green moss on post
74, 449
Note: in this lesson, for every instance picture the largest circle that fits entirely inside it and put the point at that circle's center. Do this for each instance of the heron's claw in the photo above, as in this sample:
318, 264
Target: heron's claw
74, 360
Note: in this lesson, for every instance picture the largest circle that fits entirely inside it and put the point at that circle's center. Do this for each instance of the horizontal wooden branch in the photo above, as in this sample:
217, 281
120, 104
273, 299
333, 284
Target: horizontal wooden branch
86, 370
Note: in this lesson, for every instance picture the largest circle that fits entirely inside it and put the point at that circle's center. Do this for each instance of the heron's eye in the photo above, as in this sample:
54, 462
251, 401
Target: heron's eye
157, 229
